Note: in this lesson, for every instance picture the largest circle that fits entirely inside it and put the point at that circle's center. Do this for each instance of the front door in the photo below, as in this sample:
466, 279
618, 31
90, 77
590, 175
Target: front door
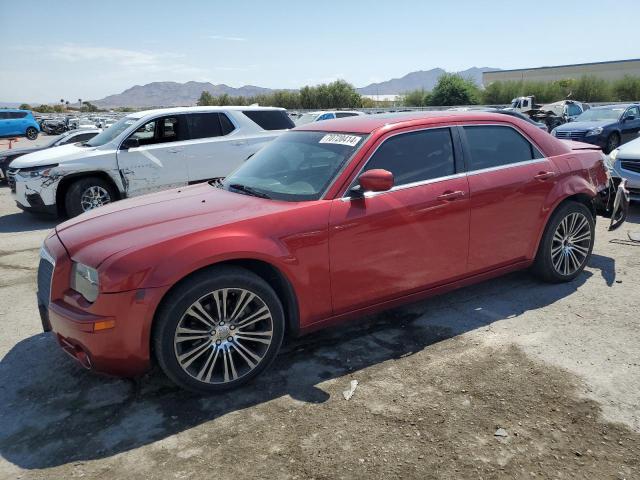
160, 161
630, 124
388, 244
509, 181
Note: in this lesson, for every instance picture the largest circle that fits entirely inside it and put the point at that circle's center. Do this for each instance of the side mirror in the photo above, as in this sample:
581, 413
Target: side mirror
376, 180
130, 143
628, 118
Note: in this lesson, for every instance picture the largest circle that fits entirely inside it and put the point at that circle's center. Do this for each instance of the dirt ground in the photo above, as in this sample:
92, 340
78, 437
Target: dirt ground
553, 369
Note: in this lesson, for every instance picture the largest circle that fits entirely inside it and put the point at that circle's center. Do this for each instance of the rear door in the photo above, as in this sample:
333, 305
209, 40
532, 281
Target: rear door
5, 125
389, 244
509, 181
215, 147
159, 162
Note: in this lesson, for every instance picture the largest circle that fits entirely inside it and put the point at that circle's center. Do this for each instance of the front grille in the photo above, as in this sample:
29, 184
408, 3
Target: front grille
577, 135
45, 272
11, 178
630, 166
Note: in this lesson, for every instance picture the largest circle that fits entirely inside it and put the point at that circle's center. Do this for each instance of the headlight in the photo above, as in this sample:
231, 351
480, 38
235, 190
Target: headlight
595, 131
34, 172
84, 280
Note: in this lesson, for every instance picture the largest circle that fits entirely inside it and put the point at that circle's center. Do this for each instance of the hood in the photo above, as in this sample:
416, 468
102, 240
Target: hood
583, 125
14, 152
61, 154
630, 150
151, 219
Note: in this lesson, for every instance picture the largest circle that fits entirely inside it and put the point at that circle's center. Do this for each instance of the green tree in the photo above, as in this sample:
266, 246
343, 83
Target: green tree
206, 99
453, 89
626, 89
416, 98
25, 106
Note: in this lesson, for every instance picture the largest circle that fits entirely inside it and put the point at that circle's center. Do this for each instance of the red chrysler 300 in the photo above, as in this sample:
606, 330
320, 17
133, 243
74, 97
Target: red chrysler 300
329, 221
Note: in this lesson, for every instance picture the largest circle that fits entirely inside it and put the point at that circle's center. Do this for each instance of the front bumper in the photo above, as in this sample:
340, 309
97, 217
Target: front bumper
613, 202
111, 335
37, 195
630, 170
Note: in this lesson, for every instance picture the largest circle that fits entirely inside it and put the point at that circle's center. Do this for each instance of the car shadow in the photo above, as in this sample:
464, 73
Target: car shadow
25, 222
52, 412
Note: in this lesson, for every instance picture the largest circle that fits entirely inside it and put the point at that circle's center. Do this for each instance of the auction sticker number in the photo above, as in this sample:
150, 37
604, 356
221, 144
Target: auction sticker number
340, 139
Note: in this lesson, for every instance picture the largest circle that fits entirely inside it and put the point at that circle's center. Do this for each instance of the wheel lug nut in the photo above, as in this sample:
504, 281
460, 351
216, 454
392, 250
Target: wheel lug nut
230, 339
221, 323
232, 327
218, 342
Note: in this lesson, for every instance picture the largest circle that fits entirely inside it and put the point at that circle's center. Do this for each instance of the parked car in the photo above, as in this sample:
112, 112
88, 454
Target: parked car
310, 117
551, 114
626, 163
72, 136
18, 123
608, 126
328, 222
54, 126
144, 152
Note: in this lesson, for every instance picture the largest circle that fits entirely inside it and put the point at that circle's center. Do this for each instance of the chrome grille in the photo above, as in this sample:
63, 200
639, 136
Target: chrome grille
577, 135
630, 166
45, 273
11, 178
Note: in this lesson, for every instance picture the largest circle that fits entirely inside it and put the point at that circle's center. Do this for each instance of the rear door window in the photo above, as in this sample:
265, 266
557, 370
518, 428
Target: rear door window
416, 156
270, 119
204, 125
495, 146
345, 114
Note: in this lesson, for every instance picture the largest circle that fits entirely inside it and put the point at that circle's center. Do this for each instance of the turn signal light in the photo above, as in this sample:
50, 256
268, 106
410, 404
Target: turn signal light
104, 325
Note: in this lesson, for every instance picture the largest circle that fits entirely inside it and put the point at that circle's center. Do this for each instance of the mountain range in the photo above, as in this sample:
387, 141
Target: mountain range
168, 94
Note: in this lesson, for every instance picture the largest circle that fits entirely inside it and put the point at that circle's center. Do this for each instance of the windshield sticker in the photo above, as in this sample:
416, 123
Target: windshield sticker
340, 139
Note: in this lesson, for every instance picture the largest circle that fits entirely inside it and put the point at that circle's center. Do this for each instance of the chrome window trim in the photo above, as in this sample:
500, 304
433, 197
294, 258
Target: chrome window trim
509, 165
405, 185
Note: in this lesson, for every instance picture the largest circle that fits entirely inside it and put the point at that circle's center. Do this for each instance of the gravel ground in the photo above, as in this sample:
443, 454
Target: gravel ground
553, 370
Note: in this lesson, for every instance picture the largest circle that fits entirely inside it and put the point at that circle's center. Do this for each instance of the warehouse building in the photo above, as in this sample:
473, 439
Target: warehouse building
608, 70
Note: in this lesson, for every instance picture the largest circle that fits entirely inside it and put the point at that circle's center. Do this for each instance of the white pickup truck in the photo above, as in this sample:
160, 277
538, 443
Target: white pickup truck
142, 153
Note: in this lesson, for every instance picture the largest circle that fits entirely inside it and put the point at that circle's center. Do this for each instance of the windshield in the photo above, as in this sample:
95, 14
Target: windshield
600, 114
112, 132
296, 166
306, 118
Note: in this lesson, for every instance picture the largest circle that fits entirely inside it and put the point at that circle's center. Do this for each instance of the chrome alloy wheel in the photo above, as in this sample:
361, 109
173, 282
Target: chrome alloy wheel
223, 335
571, 244
94, 197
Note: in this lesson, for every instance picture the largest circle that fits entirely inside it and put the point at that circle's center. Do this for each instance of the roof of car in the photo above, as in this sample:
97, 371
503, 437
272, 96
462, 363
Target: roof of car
615, 105
161, 111
369, 123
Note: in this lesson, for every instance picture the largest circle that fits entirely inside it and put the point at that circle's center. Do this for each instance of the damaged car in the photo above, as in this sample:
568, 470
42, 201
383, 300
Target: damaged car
329, 222
142, 153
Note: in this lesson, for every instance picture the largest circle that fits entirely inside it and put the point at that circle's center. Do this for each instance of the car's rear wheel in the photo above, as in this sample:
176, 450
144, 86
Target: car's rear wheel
88, 193
567, 243
218, 330
613, 142
31, 133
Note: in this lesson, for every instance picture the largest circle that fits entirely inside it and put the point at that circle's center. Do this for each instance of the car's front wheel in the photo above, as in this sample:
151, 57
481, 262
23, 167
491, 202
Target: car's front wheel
31, 133
218, 330
86, 194
567, 243
613, 142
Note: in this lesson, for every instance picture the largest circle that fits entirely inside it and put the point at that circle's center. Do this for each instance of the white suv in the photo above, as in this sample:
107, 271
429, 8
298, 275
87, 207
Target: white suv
142, 153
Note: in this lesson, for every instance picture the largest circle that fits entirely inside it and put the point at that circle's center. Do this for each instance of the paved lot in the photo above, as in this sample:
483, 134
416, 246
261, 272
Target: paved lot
556, 367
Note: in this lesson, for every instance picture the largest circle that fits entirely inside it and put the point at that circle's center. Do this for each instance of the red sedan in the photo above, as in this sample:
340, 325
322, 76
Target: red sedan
330, 221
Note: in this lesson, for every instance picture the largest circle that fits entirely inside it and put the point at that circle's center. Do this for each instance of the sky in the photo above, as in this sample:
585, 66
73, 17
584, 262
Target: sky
89, 49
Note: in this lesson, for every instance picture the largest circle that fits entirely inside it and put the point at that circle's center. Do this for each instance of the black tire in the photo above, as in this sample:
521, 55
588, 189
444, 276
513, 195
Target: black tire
543, 266
173, 313
73, 199
31, 133
613, 142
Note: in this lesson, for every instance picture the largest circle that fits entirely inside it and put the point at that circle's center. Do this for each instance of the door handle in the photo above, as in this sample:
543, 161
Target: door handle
175, 150
450, 195
240, 142
545, 175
